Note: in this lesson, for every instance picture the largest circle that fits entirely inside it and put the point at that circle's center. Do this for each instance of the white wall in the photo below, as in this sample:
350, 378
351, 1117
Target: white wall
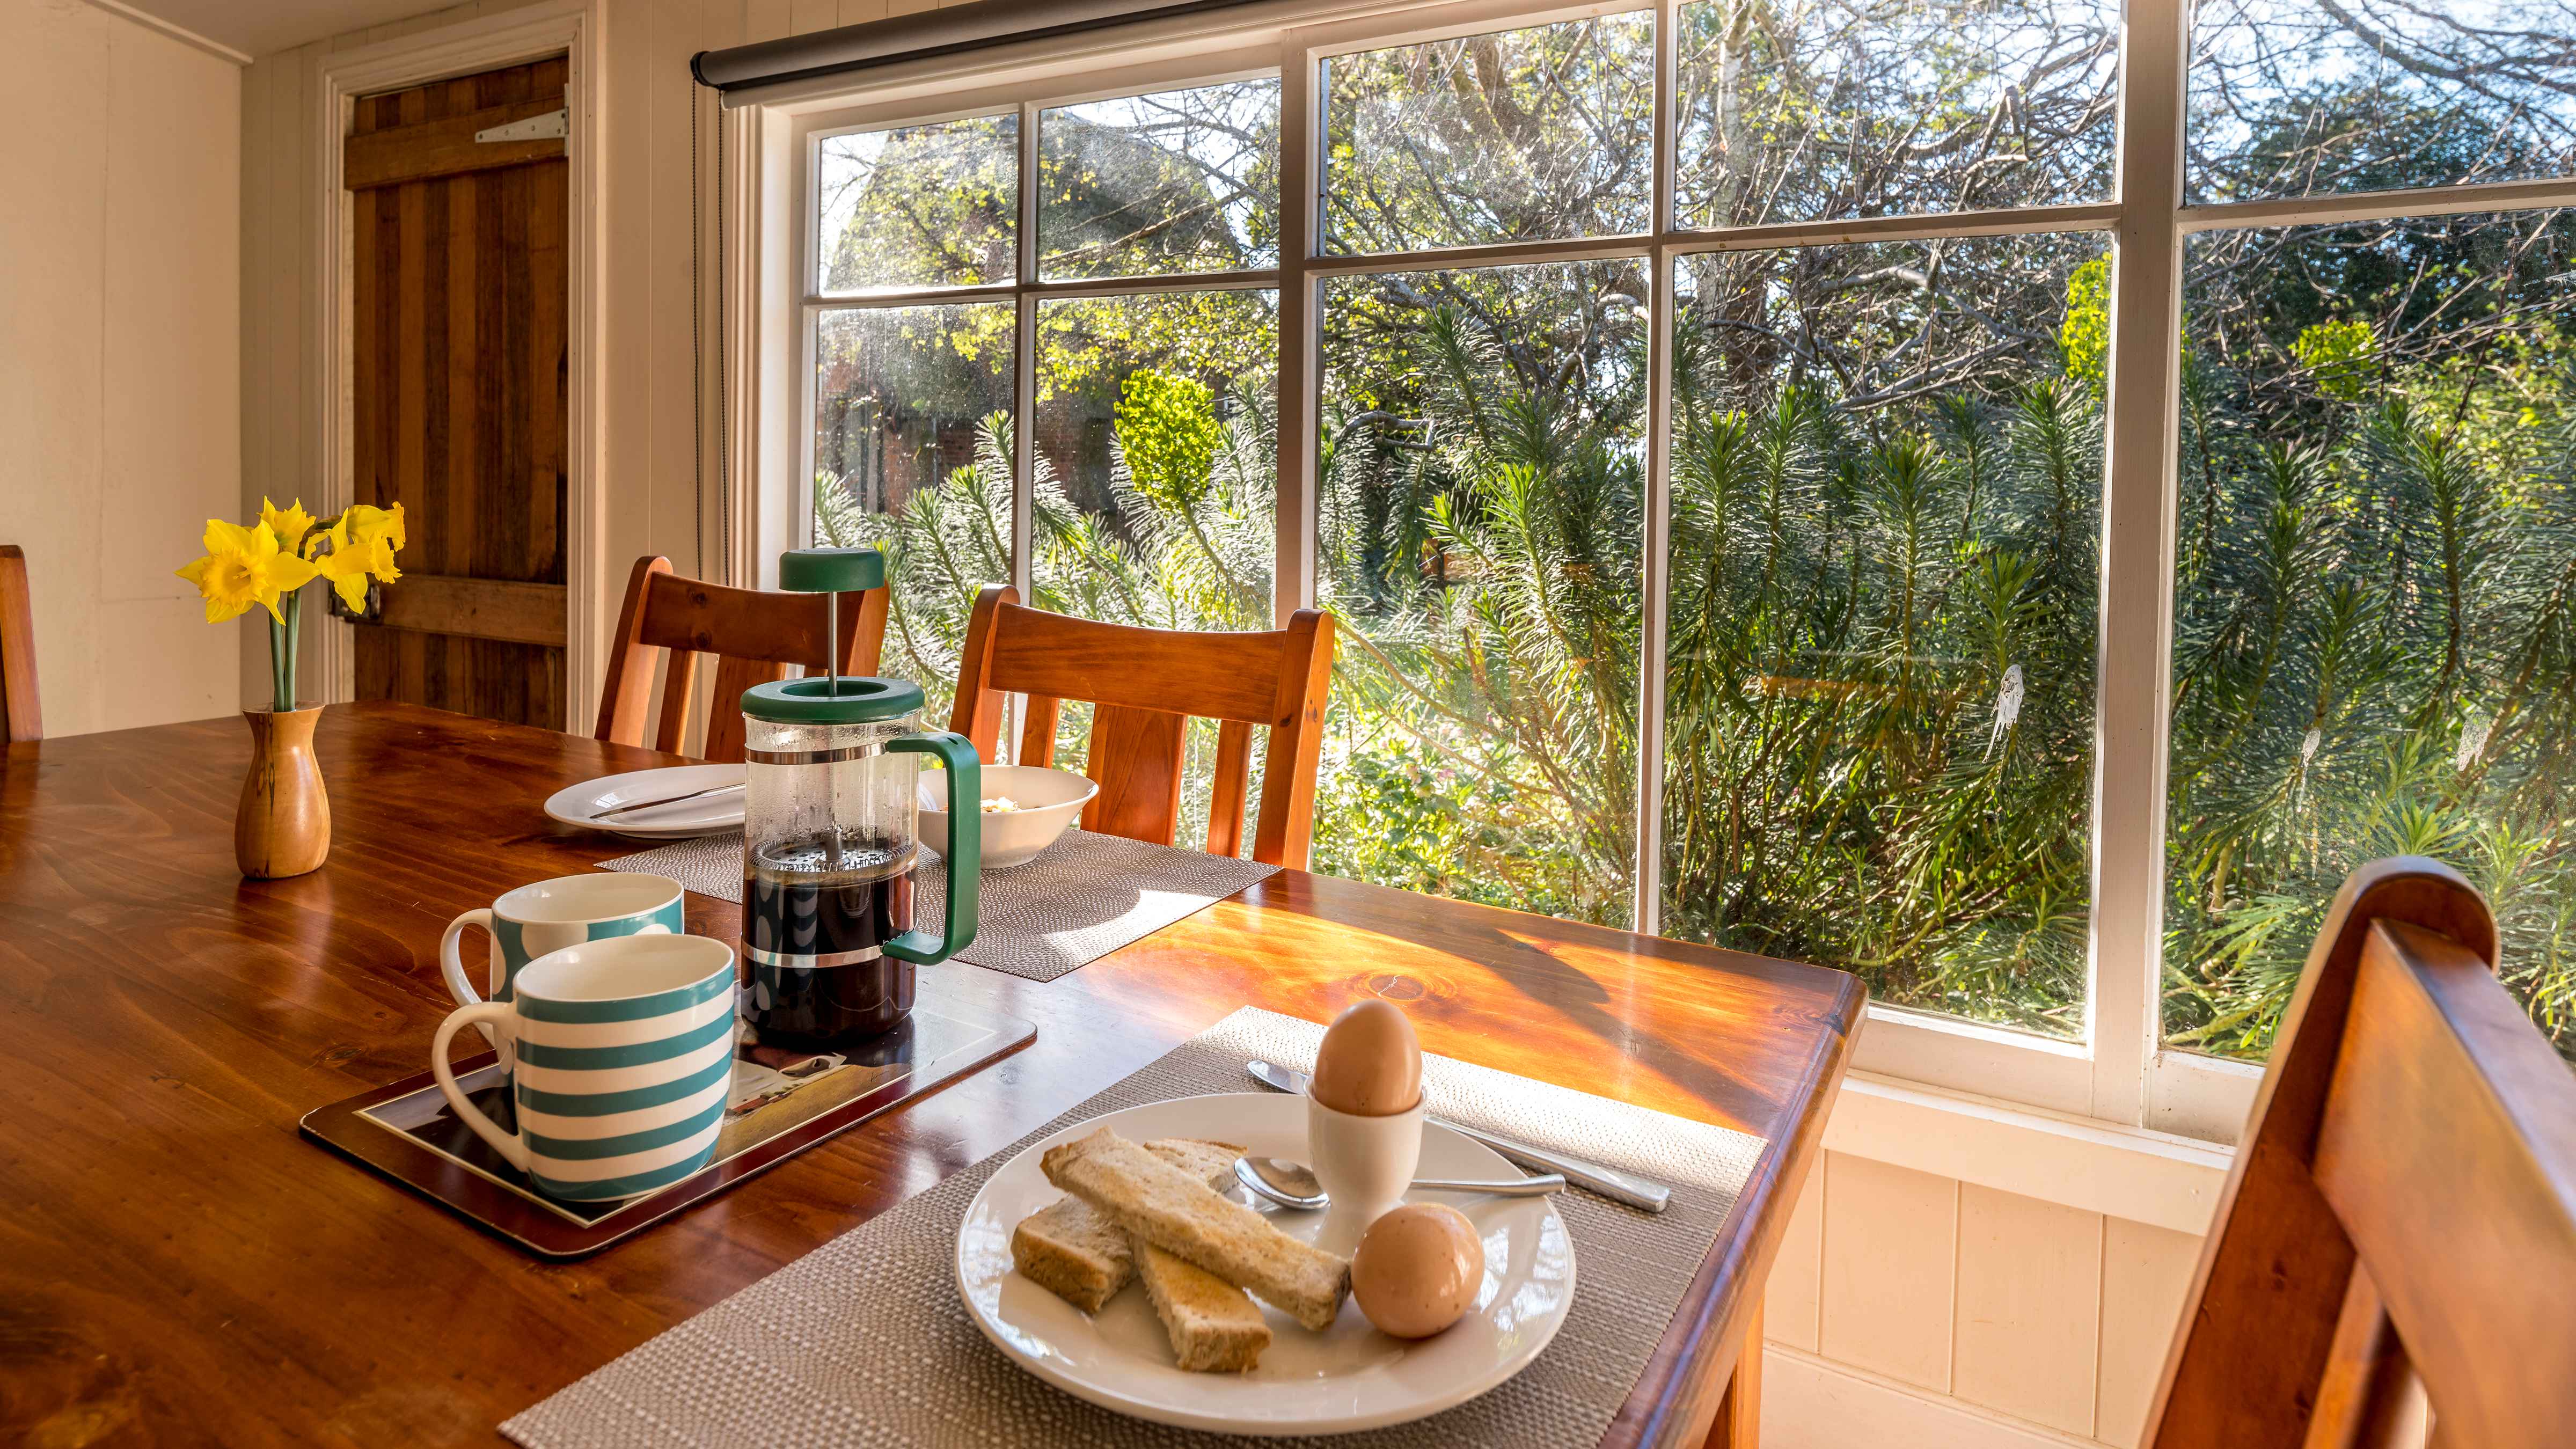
119, 370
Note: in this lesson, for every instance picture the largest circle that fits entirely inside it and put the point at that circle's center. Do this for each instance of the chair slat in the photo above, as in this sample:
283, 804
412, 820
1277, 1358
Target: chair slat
1037, 731
679, 689
2361, 1395
1136, 756
2449, 1155
1233, 777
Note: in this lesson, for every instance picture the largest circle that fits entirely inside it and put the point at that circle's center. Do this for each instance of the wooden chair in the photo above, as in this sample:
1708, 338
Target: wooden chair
2403, 1205
755, 636
21, 718
1143, 684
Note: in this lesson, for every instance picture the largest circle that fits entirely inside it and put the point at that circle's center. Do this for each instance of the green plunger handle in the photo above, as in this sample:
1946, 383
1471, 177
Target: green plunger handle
965, 845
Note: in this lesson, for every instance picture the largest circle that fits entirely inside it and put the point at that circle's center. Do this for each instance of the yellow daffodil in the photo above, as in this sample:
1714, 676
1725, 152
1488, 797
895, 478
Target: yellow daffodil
368, 523
242, 567
290, 523
347, 562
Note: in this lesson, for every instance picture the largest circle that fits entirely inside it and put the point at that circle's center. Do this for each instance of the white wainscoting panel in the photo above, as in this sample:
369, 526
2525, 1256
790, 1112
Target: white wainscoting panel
1789, 1303
1891, 1256
2028, 1310
2146, 1271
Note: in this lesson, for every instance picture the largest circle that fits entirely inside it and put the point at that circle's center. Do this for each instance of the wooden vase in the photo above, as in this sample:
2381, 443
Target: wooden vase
284, 825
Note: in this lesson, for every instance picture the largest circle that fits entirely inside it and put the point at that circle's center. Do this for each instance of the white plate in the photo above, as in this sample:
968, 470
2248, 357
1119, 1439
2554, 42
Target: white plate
1349, 1377
576, 804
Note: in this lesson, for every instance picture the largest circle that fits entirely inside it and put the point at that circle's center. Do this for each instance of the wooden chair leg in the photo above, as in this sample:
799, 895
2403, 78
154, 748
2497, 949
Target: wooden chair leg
1739, 1414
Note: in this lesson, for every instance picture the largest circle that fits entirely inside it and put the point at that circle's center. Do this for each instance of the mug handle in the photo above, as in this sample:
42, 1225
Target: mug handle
472, 1116
965, 845
451, 965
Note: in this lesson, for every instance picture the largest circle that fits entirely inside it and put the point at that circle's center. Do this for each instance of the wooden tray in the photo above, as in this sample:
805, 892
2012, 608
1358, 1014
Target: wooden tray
783, 1103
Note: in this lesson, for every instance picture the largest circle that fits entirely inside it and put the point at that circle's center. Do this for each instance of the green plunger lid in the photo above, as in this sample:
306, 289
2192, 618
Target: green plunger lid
849, 699
830, 570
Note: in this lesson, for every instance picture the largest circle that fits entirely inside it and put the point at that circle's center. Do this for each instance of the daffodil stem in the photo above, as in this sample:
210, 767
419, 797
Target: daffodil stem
294, 628
277, 701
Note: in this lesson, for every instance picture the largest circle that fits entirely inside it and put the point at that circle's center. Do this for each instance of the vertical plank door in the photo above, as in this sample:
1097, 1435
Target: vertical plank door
457, 339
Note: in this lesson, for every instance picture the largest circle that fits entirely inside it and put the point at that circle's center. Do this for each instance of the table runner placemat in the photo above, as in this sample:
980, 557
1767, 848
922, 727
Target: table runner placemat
1085, 897
864, 1340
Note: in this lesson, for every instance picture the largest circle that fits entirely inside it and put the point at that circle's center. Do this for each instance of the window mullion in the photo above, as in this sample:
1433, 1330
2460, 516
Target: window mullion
1648, 911
1293, 582
1024, 363
2137, 561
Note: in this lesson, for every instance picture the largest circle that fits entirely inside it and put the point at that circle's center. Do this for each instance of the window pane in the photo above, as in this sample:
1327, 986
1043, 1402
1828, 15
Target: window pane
1482, 433
1157, 433
1157, 480
1879, 689
2374, 650
919, 206
1519, 136
2310, 97
1835, 108
912, 454
1184, 181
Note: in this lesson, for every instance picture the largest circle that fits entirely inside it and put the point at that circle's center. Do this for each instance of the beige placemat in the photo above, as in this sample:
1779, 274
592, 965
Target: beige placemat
864, 1342
1085, 897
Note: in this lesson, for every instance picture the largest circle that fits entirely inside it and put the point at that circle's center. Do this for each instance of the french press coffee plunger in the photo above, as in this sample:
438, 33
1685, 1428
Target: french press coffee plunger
829, 840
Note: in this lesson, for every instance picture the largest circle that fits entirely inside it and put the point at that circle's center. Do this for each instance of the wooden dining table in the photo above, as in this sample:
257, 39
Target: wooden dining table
177, 1266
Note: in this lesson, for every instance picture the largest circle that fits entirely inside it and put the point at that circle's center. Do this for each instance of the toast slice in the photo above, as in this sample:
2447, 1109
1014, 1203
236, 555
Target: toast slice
1212, 1161
1072, 1251
1214, 1326
1172, 1209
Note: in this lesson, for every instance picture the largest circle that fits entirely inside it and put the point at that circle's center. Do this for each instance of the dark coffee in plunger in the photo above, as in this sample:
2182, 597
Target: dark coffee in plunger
831, 765
835, 923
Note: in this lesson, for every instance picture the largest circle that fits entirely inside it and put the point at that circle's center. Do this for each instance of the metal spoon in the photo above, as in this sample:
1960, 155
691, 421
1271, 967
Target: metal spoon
1293, 1184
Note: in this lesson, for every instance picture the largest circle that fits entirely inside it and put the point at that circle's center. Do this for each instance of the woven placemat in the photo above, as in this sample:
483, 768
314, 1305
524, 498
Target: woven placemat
864, 1341
1085, 897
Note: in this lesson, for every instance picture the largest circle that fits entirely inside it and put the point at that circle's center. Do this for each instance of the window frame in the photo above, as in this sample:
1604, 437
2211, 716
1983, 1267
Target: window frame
2118, 1070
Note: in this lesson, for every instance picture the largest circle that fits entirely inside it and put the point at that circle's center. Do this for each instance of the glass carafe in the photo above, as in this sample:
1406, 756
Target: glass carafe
830, 843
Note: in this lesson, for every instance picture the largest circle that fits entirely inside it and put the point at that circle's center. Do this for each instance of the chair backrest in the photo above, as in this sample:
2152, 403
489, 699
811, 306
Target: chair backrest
755, 635
1144, 685
20, 716
2403, 1205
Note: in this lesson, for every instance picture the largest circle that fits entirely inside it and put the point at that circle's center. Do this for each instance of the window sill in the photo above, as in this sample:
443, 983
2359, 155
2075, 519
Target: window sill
2128, 1172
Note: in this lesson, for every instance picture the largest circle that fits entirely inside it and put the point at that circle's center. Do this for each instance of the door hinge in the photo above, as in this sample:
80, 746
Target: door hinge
553, 125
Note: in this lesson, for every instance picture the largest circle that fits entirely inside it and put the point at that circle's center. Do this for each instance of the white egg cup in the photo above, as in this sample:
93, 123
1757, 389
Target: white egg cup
1366, 1163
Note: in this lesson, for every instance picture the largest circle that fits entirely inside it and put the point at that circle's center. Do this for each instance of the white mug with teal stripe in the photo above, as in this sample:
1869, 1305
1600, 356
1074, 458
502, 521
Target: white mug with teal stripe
625, 1060
551, 914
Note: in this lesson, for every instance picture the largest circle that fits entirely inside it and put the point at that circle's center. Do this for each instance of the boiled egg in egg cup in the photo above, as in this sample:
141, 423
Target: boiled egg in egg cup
1364, 1119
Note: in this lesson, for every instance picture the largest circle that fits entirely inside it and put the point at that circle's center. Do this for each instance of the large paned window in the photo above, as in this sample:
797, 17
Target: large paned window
2012, 498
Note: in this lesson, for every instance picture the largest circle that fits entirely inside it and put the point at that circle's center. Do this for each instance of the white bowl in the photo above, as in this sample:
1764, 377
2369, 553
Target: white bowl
1049, 801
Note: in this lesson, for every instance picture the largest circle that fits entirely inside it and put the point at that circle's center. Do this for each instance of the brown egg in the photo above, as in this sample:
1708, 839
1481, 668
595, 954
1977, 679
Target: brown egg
1417, 1269
1370, 1065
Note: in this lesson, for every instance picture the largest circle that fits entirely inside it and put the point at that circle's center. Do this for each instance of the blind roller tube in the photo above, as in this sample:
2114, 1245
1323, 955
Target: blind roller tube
926, 33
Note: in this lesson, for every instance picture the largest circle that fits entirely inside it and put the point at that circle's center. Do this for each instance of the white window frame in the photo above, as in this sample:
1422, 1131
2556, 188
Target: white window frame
2118, 1071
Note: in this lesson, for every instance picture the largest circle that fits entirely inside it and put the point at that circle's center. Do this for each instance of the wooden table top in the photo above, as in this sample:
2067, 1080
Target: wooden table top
176, 1265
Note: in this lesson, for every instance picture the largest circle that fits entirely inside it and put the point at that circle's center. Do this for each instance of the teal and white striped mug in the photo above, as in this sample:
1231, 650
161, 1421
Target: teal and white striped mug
549, 915
625, 1049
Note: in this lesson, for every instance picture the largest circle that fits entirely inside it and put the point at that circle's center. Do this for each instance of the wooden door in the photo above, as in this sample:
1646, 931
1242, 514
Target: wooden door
457, 336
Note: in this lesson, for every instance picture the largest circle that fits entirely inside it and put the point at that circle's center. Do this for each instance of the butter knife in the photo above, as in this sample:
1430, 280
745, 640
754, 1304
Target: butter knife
1609, 1182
